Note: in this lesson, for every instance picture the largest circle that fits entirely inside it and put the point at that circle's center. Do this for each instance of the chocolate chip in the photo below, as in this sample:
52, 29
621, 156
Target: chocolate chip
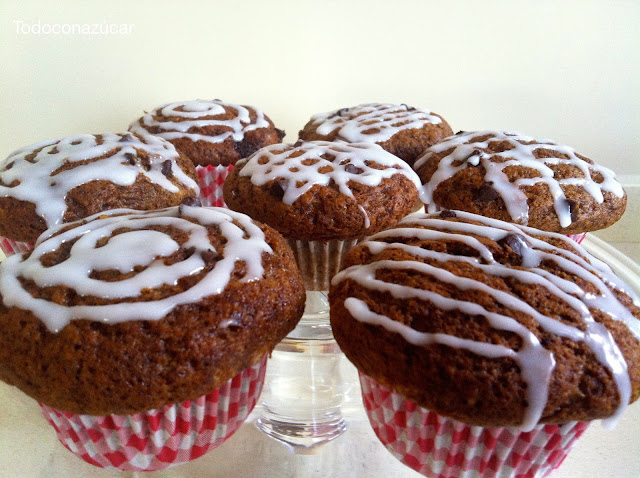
352, 169
516, 242
189, 252
486, 194
342, 111
9, 165
277, 189
448, 213
166, 169
146, 163
461, 132
208, 255
217, 100
127, 137
281, 134
54, 150
298, 143
573, 209
408, 108
191, 202
245, 148
131, 158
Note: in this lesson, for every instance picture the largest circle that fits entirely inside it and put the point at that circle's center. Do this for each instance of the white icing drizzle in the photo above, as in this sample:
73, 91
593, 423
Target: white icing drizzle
470, 154
355, 124
535, 362
340, 163
199, 114
40, 184
146, 248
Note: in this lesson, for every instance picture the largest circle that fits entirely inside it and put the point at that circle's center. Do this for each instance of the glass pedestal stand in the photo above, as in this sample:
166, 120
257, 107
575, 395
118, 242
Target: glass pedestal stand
303, 393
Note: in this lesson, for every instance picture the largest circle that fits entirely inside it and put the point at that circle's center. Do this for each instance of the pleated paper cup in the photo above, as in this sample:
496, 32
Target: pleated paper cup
163, 437
439, 447
211, 179
319, 261
10, 247
577, 237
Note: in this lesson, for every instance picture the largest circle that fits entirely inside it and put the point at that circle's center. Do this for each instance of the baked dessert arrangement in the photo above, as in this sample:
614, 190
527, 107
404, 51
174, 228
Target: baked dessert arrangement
213, 134
322, 197
62, 180
484, 346
402, 130
517, 178
147, 327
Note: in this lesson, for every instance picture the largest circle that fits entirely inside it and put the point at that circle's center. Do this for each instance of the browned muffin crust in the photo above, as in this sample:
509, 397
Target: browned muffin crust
455, 382
203, 152
470, 189
323, 212
95, 368
407, 144
20, 221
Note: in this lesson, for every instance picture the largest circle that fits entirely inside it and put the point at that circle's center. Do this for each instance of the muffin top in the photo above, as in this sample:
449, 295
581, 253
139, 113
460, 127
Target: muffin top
127, 311
210, 132
320, 190
66, 179
516, 178
400, 129
489, 323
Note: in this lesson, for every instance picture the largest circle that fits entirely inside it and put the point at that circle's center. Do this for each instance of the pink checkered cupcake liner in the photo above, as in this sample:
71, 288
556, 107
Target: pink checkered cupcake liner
440, 447
210, 180
10, 247
577, 237
163, 437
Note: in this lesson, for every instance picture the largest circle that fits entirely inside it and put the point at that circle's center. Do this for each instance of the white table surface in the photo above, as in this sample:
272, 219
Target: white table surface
29, 448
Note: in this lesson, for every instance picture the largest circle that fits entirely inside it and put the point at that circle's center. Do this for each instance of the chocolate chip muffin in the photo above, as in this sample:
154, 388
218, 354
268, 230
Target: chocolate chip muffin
490, 324
402, 130
323, 197
66, 179
197, 296
210, 132
520, 179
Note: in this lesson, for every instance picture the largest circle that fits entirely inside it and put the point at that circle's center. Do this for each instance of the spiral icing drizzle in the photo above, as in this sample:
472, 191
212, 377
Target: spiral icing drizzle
45, 172
536, 363
137, 246
517, 150
372, 122
180, 119
300, 166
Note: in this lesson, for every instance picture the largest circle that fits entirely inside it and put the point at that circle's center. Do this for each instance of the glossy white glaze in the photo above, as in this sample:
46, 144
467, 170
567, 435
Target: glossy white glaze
146, 251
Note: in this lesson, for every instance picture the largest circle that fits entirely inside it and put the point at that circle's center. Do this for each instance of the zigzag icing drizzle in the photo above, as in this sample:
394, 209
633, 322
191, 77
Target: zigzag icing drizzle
536, 362
470, 154
359, 123
36, 168
199, 114
133, 245
301, 166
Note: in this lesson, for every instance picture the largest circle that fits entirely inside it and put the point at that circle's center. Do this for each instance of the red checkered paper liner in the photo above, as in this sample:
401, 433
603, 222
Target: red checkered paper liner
577, 237
210, 180
10, 247
163, 437
440, 447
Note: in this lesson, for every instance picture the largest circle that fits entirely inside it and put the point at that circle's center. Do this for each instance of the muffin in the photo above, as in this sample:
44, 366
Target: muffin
213, 134
517, 178
484, 346
151, 357
400, 129
67, 179
322, 197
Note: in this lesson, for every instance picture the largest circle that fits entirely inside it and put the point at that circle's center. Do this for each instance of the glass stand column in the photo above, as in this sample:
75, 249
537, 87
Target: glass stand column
303, 390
